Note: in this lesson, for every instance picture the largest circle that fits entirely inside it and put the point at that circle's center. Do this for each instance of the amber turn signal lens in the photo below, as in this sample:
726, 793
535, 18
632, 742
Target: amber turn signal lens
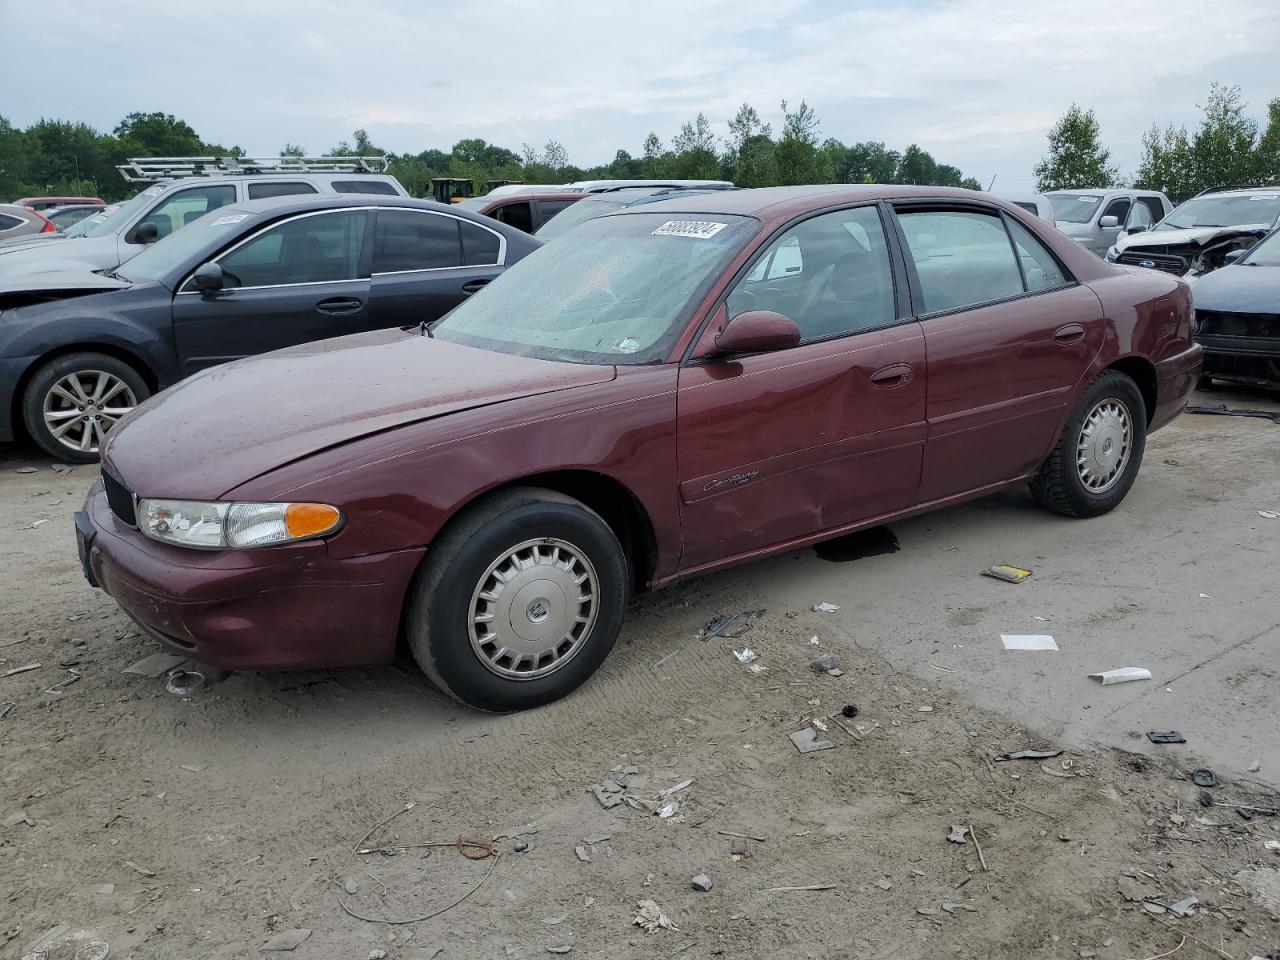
310, 519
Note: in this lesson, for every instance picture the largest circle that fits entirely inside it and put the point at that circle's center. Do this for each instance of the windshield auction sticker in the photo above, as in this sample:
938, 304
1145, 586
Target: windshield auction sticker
234, 218
697, 229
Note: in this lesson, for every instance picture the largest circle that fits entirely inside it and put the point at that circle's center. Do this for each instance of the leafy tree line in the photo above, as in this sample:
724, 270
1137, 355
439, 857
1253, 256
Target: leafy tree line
57, 156
1226, 148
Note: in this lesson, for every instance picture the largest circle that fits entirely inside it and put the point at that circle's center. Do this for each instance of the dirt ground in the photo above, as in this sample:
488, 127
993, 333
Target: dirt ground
214, 824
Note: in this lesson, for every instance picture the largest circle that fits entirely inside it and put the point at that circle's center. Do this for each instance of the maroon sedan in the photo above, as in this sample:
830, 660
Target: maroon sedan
662, 392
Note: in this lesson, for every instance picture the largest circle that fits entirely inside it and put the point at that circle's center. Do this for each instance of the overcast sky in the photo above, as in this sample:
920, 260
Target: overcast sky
975, 82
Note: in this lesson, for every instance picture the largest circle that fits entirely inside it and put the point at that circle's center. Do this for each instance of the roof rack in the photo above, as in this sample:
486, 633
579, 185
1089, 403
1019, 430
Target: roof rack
151, 169
1234, 186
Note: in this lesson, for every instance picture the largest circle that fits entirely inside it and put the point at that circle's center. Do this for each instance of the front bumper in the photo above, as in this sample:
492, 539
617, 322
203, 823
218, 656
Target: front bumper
1242, 359
289, 607
1176, 378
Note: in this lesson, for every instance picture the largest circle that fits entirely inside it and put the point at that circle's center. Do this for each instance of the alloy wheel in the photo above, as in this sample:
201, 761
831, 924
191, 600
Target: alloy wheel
82, 406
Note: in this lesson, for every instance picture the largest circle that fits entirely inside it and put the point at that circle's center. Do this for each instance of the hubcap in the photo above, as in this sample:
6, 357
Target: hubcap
1102, 451
533, 609
81, 407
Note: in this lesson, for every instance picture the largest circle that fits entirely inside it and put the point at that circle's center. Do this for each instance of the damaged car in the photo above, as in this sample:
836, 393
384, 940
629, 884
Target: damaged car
1202, 234
1237, 317
661, 392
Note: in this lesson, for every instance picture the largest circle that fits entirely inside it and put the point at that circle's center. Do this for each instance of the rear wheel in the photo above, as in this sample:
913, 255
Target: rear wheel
74, 400
1100, 450
520, 601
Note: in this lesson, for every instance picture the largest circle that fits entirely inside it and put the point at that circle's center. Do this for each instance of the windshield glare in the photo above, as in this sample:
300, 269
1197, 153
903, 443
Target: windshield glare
1074, 207
580, 212
99, 225
1233, 211
157, 261
618, 290
1265, 253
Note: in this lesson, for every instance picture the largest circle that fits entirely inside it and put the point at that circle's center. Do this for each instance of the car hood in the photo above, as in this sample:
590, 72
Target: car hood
30, 240
1239, 288
230, 424
1193, 236
56, 282
70, 253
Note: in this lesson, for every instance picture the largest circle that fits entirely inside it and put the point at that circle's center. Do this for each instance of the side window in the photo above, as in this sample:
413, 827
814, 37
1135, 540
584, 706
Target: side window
1152, 210
261, 191
1038, 266
321, 248
830, 274
187, 205
962, 258
550, 208
8, 223
410, 240
519, 215
1118, 209
380, 187
480, 247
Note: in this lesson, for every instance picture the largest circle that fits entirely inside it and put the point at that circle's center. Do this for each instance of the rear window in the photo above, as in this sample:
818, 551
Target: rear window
365, 186
8, 223
261, 191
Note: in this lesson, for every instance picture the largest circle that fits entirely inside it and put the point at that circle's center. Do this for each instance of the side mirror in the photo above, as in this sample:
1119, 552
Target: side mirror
1136, 228
208, 278
757, 331
146, 232
1108, 222
1233, 256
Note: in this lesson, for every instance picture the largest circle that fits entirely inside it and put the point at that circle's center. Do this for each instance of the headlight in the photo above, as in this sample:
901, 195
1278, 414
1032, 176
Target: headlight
195, 523
1112, 255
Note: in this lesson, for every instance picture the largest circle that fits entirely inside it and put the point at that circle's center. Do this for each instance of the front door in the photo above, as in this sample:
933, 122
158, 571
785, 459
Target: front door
303, 279
1009, 335
776, 446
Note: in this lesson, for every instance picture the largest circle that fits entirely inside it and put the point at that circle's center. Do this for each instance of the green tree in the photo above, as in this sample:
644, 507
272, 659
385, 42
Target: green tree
1266, 155
694, 148
158, 135
1166, 162
917, 166
1076, 157
1222, 149
872, 162
293, 150
797, 155
750, 150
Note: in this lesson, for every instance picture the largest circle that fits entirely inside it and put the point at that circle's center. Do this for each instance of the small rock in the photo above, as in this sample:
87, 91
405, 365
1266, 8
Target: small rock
349, 885
105, 889
959, 833
520, 846
702, 882
884, 884
286, 940
1205, 798
561, 948
583, 854
823, 663
1177, 819
1255, 766
925, 709
1087, 953
25, 470
13, 819
377, 955
79, 643
1184, 908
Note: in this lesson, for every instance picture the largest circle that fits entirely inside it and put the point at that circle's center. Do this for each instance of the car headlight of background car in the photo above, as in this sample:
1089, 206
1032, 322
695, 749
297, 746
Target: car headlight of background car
1112, 254
228, 525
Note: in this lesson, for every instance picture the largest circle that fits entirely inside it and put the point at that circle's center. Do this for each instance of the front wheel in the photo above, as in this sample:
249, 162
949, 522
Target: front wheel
519, 602
1099, 453
73, 400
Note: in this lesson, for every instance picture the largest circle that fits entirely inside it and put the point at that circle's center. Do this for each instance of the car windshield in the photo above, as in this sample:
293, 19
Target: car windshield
1224, 211
161, 258
616, 291
1265, 253
101, 224
1074, 207
581, 212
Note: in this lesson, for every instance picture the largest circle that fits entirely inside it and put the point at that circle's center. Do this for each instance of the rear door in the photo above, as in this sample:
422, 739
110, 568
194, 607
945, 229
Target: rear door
776, 446
425, 263
1009, 334
302, 279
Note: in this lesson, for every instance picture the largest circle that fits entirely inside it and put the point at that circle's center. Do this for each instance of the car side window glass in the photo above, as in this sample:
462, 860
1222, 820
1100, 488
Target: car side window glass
831, 274
518, 215
380, 187
414, 240
182, 207
1118, 209
1148, 209
480, 247
8, 223
550, 208
962, 258
1038, 266
261, 191
322, 248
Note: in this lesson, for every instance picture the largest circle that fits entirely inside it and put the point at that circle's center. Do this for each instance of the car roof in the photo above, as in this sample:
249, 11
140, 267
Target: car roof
1104, 191
305, 202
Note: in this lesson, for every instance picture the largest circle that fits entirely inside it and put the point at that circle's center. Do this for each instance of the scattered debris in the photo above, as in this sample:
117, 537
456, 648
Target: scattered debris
192, 767
1204, 777
683, 784
61, 469
659, 662
650, 919
1222, 410
5, 708
137, 869
825, 607
561, 948
155, 666
981, 858
668, 810
1028, 641
1269, 514
1121, 675
924, 709
1183, 908
811, 886
823, 664
57, 688
745, 655
13, 819
849, 710
609, 793
884, 884
17, 670
807, 741
702, 883
1007, 572
583, 854
1254, 767
1134, 891
1028, 755
286, 940
959, 833
741, 836
376, 954
520, 846
182, 683
1165, 736
731, 627
25, 470
757, 668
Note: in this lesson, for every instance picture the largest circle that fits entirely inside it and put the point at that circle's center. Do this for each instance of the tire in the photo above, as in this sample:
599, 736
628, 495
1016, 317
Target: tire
554, 652
50, 402
1065, 484
1204, 383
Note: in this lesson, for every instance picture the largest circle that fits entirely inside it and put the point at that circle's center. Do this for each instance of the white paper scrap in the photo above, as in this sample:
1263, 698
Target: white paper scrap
1122, 675
1027, 641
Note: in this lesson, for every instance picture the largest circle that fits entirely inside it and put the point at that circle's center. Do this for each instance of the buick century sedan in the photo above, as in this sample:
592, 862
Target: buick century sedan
661, 392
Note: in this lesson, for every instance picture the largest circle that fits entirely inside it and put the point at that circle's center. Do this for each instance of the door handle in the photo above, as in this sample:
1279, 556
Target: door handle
1069, 333
471, 286
338, 306
894, 375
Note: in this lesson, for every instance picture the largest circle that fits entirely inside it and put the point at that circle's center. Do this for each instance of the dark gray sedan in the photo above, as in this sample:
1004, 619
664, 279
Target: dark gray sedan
80, 349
